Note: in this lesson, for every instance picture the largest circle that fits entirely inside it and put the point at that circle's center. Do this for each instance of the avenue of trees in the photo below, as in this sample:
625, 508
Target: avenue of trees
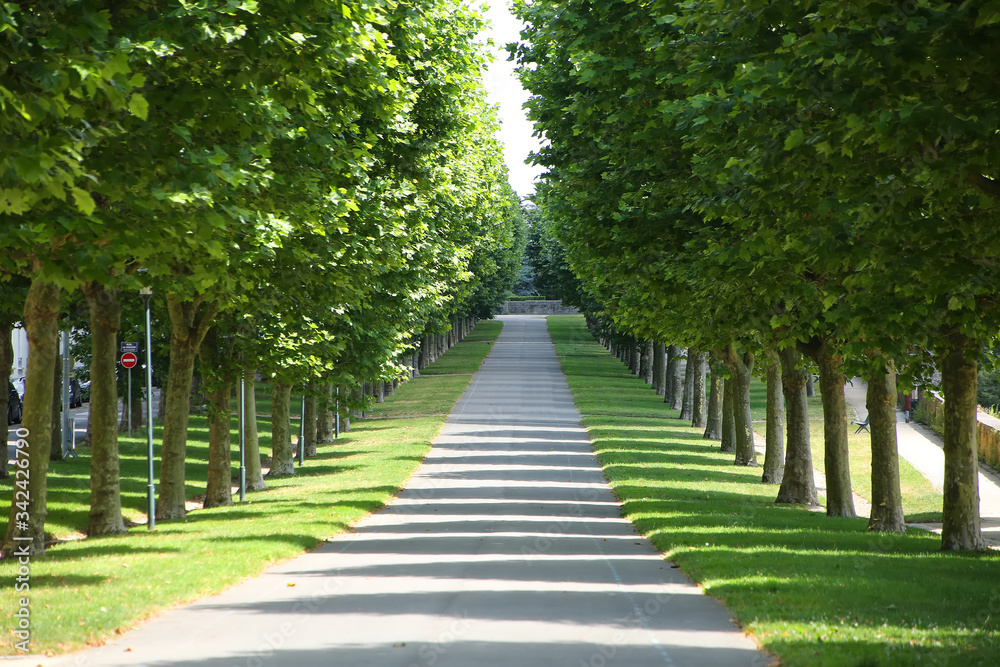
807, 182
311, 189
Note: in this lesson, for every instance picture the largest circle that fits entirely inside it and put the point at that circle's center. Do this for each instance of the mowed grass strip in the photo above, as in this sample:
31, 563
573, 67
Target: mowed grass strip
813, 590
85, 591
468, 357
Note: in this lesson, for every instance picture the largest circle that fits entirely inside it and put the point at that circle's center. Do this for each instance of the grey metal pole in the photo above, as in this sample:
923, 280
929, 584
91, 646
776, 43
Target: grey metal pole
147, 294
129, 418
243, 441
302, 430
336, 419
65, 392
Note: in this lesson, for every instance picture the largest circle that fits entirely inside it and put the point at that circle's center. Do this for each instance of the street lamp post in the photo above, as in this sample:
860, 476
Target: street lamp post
243, 439
147, 293
302, 428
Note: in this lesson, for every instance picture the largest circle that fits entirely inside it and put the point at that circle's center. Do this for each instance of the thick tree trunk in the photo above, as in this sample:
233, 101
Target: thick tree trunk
324, 416
887, 501
728, 439
345, 414
649, 349
698, 418
251, 438
960, 527
105, 473
219, 490
309, 419
6, 367
634, 356
137, 414
740, 370
675, 381
713, 429
839, 498
380, 391
660, 368
28, 505
810, 386
190, 321
55, 433
690, 370
798, 484
282, 454
774, 451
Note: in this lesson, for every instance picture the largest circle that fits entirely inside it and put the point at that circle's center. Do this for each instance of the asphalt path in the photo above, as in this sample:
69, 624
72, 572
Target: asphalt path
505, 548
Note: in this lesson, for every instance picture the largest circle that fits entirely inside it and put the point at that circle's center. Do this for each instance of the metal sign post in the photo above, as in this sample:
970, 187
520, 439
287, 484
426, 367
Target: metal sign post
129, 360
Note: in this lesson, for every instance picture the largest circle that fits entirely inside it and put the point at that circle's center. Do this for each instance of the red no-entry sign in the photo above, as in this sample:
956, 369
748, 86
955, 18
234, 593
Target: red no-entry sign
129, 360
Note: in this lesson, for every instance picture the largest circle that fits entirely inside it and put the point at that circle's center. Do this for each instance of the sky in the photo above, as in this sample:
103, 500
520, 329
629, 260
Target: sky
504, 90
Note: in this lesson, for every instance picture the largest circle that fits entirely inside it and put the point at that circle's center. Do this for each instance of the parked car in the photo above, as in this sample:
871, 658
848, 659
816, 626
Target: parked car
15, 409
75, 393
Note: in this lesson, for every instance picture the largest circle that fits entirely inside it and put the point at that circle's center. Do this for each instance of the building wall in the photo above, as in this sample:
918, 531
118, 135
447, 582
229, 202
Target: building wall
538, 308
20, 340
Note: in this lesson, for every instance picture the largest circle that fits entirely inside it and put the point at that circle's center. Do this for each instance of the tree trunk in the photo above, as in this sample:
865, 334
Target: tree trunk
137, 412
251, 439
6, 367
324, 416
345, 414
190, 321
839, 499
887, 501
27, 507
774, 451
960, 527
309, 421
660, 368
219, 490
713, 429
740, 370
282, 454
810, 386
687, 402
380, 391
648, 349
105, 473
728, 439
674, 378
698, 419
55, 433
798, 484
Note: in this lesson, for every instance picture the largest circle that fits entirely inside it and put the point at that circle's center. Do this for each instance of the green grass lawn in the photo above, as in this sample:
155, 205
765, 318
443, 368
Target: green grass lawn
813, 590
84, 591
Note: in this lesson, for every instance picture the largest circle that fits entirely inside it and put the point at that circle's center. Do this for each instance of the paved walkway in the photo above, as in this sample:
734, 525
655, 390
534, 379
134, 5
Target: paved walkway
506, 548
922, 448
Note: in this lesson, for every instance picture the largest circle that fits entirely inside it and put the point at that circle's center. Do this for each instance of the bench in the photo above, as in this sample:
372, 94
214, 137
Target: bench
862, 426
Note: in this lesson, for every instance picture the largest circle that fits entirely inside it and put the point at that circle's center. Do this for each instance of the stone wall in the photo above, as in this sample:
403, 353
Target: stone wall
537, 308
987, 437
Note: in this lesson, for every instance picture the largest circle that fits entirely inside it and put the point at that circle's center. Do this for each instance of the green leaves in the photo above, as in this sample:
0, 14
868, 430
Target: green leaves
138, 105
794, 139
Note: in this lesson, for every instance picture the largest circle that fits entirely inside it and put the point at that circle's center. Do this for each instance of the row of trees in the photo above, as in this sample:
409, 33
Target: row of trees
306, 187
798, 178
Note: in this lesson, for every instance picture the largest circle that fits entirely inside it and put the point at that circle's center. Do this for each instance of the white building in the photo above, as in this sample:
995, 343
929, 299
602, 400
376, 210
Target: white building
20, 341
